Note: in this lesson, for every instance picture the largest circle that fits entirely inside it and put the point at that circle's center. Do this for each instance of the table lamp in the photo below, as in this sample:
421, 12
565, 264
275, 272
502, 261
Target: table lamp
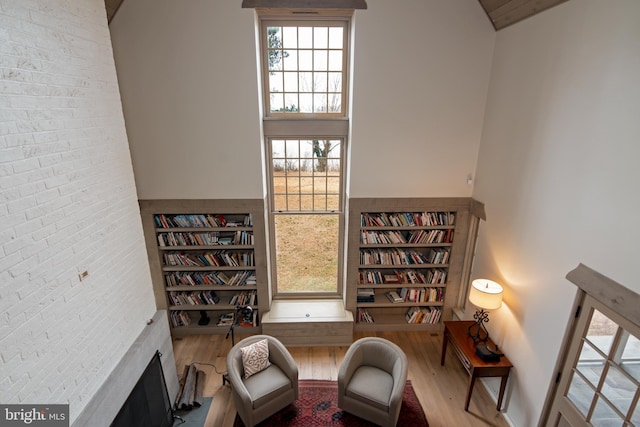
485, 295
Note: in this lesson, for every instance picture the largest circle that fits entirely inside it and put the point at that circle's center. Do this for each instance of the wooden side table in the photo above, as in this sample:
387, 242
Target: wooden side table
455, 332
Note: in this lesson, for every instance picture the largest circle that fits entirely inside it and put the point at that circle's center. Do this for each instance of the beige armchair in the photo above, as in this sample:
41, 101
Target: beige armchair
266, 392
371, 380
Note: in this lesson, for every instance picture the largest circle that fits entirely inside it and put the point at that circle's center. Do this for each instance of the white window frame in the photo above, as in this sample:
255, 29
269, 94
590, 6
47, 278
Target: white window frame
306, 126
269, 18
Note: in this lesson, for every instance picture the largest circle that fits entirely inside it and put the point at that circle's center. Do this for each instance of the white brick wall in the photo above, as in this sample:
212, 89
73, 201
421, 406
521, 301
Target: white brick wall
67, 204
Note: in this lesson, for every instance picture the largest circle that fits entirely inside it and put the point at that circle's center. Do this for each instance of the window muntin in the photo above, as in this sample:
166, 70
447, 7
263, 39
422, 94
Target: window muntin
305, 68
306, 175
604, 386
306, 200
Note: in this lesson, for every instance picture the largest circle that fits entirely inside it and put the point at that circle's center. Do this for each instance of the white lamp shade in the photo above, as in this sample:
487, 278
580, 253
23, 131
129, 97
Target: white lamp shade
485, 294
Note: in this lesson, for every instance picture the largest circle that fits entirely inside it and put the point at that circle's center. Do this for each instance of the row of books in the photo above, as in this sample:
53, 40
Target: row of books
221, 258
431, 236
377, 277
226, 319
407, 219
372, 237
193, 298
211, 278
437, 256
210, 297
201, 220
244, 298
416, 295
368, 237
205, 239
394, 256
363, 316
179, 318
423, 315
413, 315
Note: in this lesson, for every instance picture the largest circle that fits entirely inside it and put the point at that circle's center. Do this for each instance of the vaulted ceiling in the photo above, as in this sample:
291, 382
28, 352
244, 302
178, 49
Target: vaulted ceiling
501, 13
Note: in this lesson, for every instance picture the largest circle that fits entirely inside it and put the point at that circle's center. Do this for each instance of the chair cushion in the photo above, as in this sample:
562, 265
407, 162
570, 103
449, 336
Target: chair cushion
255, 357
371, 386
266, 384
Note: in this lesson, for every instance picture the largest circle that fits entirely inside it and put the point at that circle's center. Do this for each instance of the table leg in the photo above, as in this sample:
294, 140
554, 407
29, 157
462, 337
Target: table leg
445, 340
472, 381
503, 386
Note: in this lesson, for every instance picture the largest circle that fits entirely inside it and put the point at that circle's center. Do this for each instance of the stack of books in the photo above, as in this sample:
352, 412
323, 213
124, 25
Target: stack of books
394, 297
366, 295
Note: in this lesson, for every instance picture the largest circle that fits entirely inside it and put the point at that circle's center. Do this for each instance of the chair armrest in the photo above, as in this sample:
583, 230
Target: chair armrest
280, 356
400, 372
352, 361
234, 372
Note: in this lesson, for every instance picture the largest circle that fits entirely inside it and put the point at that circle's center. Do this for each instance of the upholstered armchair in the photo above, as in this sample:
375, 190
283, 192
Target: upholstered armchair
371, 380
270, 388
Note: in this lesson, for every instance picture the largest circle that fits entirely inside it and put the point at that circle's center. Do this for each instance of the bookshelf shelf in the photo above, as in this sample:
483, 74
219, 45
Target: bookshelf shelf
204, 330
206, 307
404, 245
210, 288
402, 266
206, 247
207, 258
205, 268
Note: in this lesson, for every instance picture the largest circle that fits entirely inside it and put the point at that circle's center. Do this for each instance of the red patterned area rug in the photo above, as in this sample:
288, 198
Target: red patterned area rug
317, 407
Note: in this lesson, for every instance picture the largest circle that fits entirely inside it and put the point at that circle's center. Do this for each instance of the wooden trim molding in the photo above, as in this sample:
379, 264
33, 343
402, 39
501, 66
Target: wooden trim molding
622, 300
477, 209
304, 4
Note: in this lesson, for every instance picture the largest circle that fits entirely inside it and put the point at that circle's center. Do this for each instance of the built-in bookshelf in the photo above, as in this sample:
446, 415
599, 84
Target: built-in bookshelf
407, 258
207, 258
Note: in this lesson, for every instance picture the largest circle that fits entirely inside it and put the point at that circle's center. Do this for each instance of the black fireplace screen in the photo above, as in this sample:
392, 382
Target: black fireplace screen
148, 404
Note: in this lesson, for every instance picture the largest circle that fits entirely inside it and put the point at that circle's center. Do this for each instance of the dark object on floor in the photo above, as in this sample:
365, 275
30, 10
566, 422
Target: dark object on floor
317, 406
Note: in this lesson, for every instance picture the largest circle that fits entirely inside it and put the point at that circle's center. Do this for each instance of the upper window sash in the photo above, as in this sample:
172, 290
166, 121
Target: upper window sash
305, 66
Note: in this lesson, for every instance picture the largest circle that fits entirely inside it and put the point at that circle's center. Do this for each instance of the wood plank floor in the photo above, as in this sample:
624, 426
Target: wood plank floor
440, 389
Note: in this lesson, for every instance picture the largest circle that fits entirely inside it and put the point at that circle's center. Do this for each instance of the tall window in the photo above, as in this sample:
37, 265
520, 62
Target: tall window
304, 74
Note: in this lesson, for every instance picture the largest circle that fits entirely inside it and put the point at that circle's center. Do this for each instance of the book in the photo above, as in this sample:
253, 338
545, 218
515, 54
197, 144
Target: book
394, 297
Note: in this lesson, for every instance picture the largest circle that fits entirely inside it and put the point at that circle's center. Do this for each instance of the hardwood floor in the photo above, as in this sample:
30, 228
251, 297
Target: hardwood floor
440, 389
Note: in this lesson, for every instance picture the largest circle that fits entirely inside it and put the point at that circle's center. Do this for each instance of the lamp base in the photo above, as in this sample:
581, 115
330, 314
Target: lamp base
477, 331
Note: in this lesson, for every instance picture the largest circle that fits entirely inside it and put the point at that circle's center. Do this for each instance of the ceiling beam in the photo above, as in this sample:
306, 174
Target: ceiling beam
305, 4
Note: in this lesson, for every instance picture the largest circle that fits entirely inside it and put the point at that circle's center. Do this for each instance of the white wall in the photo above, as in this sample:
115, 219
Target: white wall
188, 79
67, 204
187, 73
421, 78
557, 172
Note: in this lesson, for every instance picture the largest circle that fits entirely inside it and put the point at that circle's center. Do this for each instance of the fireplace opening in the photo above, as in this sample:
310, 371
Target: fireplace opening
148, 404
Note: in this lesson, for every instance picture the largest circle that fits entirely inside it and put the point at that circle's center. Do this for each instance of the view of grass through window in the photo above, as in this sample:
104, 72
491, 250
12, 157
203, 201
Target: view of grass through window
307, 252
